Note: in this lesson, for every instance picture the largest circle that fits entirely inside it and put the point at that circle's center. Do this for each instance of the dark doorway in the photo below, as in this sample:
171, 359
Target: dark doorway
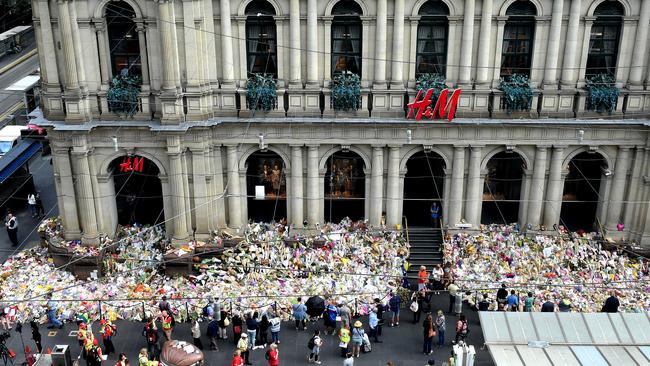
502, 188
138, 191
345, 187
266, 187
581, 192
423, 185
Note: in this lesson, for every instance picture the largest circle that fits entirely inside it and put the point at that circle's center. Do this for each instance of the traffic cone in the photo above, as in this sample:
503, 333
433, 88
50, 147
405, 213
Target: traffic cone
49, 351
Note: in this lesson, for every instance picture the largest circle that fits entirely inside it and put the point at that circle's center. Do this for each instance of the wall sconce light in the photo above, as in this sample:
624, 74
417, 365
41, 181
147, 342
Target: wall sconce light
607, 172
581, 135
114, 138
409, 136
262, 145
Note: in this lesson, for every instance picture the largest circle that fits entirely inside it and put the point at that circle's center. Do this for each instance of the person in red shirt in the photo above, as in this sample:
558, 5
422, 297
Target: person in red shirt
422, 278
273, 355
237, 360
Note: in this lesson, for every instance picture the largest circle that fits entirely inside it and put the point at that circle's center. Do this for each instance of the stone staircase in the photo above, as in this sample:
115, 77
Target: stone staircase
426, 248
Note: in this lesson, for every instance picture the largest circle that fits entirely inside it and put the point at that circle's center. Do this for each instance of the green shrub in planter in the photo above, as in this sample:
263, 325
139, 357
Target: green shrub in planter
602, 93
425, 82
261, 92
346, 92
517, 92
123, 94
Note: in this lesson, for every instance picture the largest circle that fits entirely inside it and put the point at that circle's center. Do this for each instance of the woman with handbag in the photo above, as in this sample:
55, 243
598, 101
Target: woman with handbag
429, 332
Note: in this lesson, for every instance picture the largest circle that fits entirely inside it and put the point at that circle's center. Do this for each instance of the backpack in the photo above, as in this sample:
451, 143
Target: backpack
94, 355
331, 315
312, 342
206, 312
267, 355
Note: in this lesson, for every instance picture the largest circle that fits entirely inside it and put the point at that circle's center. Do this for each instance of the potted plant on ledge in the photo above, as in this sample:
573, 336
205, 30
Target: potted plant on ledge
123, 94
517, 93
602, 93
261, 92
428, 81
346, 93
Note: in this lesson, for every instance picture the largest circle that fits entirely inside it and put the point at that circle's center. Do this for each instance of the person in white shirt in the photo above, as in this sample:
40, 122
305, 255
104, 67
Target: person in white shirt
12, 229
349, 360
31, 201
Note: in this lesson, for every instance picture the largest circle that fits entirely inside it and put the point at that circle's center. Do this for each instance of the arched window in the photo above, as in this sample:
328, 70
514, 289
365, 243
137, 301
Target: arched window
431, 55
261, 39
518, 35
605, 34
346, 38
123, 41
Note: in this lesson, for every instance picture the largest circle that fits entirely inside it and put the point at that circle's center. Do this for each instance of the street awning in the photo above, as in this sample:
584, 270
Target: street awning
581, 339
25, 83
17, 157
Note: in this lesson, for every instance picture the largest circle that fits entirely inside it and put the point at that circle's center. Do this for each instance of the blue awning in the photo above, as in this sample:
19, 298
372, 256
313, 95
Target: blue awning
17, 157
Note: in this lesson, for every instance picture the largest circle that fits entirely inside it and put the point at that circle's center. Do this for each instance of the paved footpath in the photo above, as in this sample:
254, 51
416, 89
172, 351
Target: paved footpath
402, 345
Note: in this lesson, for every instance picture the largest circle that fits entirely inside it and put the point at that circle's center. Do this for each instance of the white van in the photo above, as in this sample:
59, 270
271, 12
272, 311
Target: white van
9, 137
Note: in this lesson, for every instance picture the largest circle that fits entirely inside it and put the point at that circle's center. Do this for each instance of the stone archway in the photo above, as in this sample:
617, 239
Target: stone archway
423, 185
502, 188
138, 190
581, 195
344, 186
266, 186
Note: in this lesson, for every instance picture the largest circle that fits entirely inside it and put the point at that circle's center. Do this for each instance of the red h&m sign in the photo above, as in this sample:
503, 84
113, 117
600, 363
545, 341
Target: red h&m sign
422, 107
129, 165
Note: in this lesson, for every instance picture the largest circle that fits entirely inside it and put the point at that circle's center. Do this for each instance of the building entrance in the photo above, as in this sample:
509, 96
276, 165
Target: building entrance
423, 186
502, 188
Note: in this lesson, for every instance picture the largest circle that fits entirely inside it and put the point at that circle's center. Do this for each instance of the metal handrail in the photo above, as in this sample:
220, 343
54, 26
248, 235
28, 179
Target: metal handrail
406, 226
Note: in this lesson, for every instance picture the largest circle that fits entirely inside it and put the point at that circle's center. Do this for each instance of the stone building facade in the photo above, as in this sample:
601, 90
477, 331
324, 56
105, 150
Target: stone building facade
215, 163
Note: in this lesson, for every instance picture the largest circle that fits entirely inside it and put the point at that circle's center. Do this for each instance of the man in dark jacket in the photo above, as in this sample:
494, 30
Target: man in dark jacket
502, 294
380, 315
611, 304
213, 334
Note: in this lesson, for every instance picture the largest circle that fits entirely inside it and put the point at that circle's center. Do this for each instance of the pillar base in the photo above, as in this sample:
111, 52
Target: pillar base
171, 111
72, 235
90, 239
180, 241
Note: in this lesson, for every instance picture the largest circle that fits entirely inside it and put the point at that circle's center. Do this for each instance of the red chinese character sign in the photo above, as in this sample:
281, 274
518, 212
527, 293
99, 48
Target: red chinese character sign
422, 107
132, 164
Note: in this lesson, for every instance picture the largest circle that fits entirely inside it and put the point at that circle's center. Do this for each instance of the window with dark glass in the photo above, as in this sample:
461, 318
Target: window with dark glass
346, 38
604, 39
431, 54
518, 35
261, 39
123, 38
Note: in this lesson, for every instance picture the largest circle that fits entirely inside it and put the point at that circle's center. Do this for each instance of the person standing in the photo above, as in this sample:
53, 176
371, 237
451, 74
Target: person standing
435, 214
167, 325
461, 328
394, 303
418, 298
345, 314
94, 357
236, 327
52, 310
273, 355
107, 331
300, 314
484, 305
314, 345
380, 315
39, 206
436, 277
36, 336
329, 319
512, 301
422, 278
357, 338
164, 305
236, 359
349, 359
31, 201
453, 290
150, 333
264, 330
251, 328
196, 334
428, 333
276, 323
548, 306
502, 295
12, 229
441, 327
122, 360
373, 323
213, 333
344, 339
529, 302
242, 347
223, 324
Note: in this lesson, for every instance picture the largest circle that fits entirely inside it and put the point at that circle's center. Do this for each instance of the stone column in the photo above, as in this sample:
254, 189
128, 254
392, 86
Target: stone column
397, 66
144, 59
220, 203
392, 191
483, 62
104, 57
454, 211
85, 197
294, 39
45, 37
376, 185
553, 49
312, 43
571, 45
640, 46
313, 186
634, 193
180, 230
66, 197
536, 195
474, 192
465, 74
554, 189
234, 189
227, 59
71, 77
167, 28
200, 173
297, 185
380, 44
616, 194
